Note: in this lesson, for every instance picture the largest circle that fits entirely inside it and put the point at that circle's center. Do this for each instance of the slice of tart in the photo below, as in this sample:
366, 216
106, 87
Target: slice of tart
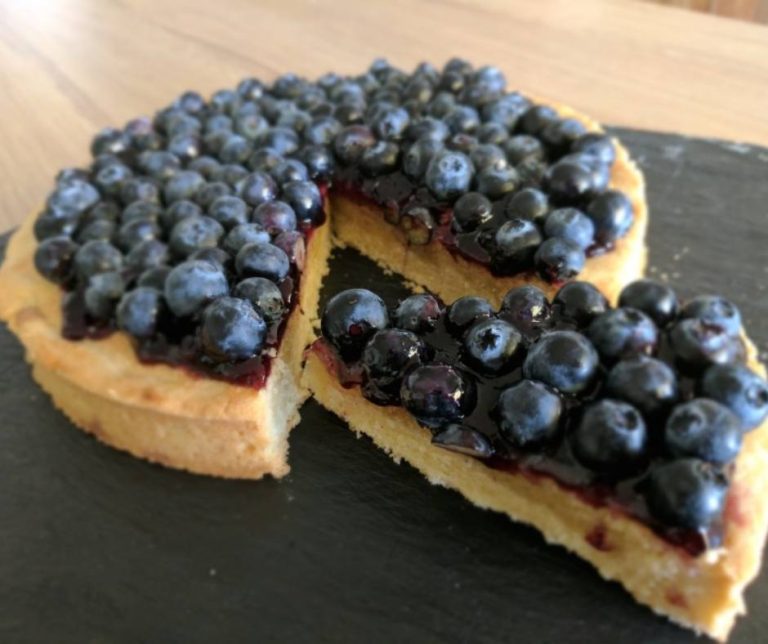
634, 436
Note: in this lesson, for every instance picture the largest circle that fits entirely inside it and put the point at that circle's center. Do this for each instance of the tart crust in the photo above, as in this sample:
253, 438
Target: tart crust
162, 413
704, 593
362, 226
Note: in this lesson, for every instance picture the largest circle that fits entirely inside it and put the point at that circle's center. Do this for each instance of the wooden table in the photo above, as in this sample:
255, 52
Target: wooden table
70, 67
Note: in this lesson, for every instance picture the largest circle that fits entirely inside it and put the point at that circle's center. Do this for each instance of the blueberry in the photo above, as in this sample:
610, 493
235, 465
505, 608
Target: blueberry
528, 203
282, 140
418, 224
265, 160
275, 217
97, 229
95, 257
251, 126
570, 183
462, 119
319, 161
564, 360
448, 175
441, 105
257, 188
570, 224
305, 199
497, 182
140, 311
110, 179
704, 429
579, 302
147, 254
136, 231
486, 156
184, 146
232, 174
648, 384
182, 185
428, 128
492, 345
380, 158
177, 211
292, 243
47, 226
523, 148
595, 144
387, 357
322, 131
559, 135
464, 143
418, 313
528, 414
612, 214
141, 210
686, 493
714, 311
262, 260
599, 173
218, 122
391, 124
70, 174
72, 198
741, 390
102, 294
620, 333
466, 311
350, 143
527, 308
610, 439
229, 211
110, 140
191, 102
193, 233
491, 132
210, 192
290, 170
418, 156
437, 394
515, 245
504, 111
160, 164
536, 118
472, 210
697, 344
559, 259
216, 256
192, 284
350, 319
464, 440
264, 296
154, 277
231, 330
656, 300
54, 259
250, 89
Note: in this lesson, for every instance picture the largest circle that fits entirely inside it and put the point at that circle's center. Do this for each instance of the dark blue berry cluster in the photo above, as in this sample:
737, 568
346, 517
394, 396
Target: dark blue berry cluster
646, 403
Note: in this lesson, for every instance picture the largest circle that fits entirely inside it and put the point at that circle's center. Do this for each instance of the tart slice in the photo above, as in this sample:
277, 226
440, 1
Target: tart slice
634, 436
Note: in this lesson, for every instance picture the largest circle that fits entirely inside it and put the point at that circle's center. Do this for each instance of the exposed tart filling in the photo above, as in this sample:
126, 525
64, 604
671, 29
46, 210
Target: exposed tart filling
641, 408
187, 230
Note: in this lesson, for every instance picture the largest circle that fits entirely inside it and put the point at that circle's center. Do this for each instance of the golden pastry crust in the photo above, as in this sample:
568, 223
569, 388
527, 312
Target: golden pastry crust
703, 593
450, 276
162, 413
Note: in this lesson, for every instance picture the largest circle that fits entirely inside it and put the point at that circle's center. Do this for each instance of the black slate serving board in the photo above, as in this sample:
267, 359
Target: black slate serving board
98, 547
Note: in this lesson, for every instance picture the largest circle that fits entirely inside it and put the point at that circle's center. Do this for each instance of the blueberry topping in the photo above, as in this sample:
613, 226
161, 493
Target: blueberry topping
194, 233
229, 211
262, 260
418, 156
527, 307
350, 143
492, 345
95, 257
704, 429
466, 311
257, 188
351, 318
612, 214
611, 438
275, 217
305, 199
497, 182
437, 394
570, 183
54, 258
231, 330
515, 245
564, 360
714, 311
147, 254
103, 292
418, 313
448, 175
264, 295
686, 493
740, 390
182, 185
140, 311
697, 344
572, 225
244, 234
472, 210
529, 414
558, 259
192, 284
580, 303
464, 440
620, 333
658, 301
597, 145
648, 384
387, 357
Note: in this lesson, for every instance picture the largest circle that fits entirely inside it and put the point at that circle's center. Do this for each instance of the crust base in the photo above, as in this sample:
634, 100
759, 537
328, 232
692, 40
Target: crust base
161, 413
703, 593
363, 227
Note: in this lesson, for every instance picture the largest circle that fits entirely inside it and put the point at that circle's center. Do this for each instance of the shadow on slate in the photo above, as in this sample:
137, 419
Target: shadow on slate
99, 547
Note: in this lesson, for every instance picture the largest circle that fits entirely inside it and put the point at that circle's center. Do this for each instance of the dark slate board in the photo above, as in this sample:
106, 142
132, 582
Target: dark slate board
99, 547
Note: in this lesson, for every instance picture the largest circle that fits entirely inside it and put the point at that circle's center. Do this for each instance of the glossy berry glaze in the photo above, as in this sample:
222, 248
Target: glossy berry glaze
590, 428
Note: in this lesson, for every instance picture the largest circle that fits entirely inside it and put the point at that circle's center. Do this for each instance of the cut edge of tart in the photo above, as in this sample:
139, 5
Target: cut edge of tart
165, 414
701, 589
360, 223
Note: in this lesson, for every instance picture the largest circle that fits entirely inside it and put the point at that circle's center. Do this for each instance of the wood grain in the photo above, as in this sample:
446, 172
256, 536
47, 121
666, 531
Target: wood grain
71, 66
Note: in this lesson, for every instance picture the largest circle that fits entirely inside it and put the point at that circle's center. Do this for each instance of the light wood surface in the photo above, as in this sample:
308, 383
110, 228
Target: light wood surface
68, 67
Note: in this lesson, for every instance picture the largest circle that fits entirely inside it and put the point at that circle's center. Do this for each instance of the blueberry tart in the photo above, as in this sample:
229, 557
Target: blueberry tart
634, 436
